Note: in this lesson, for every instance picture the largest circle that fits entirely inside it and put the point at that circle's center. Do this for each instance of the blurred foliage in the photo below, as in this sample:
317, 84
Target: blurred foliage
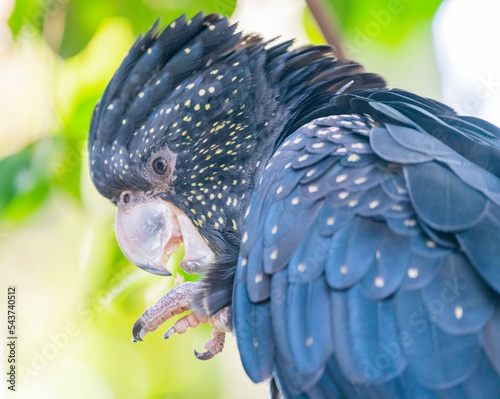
25, 180
390, 37
81, 19
390, 20
367, 23
44, 182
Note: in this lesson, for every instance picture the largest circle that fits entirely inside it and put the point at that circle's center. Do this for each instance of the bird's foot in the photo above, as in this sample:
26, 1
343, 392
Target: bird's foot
177, 301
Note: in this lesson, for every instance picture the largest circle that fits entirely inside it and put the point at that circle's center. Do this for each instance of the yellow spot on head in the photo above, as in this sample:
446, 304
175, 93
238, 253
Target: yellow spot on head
207, 106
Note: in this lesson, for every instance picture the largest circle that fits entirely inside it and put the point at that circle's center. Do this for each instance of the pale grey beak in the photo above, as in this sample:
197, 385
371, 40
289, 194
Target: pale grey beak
149, 230
148, 233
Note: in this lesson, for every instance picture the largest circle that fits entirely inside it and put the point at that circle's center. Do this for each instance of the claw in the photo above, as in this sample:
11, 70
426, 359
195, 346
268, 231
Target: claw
138, 330
213, 346
169, 333
203, 355
174, 302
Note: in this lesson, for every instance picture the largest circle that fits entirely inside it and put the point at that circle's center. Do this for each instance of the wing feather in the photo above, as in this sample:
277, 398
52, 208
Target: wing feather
371, 256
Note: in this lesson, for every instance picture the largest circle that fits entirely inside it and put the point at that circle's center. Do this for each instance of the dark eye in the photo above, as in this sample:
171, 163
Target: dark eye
160, 165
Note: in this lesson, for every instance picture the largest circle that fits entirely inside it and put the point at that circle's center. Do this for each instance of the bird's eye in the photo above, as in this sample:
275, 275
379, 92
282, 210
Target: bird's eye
160, 165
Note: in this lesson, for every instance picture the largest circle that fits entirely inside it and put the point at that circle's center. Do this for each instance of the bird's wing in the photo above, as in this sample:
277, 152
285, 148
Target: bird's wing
370, 259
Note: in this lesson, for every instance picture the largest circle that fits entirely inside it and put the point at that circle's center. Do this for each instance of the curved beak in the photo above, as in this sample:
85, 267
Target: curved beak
148, 233
149, 230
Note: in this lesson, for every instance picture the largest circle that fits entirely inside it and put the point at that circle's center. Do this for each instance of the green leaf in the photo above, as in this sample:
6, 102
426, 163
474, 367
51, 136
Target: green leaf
386, 21
66, 171
85, 16
27, 12
25, 182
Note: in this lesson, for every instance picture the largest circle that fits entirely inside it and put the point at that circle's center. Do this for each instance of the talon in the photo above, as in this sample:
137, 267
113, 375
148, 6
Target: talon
138, 330
169, 333
174, 302
213, 346
203, 355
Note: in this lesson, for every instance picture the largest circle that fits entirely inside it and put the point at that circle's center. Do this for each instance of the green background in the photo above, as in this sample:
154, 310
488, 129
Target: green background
78, 297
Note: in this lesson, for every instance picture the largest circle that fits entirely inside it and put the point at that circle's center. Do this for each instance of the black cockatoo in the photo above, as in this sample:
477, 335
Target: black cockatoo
347, 234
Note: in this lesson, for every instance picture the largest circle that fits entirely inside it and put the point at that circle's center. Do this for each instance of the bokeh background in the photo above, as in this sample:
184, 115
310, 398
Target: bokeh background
77, 295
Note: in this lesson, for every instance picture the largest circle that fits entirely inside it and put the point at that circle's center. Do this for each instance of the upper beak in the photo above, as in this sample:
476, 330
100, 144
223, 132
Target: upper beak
149, 230
147, 234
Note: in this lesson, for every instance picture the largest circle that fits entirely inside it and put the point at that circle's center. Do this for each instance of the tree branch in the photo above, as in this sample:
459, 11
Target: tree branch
325, 20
